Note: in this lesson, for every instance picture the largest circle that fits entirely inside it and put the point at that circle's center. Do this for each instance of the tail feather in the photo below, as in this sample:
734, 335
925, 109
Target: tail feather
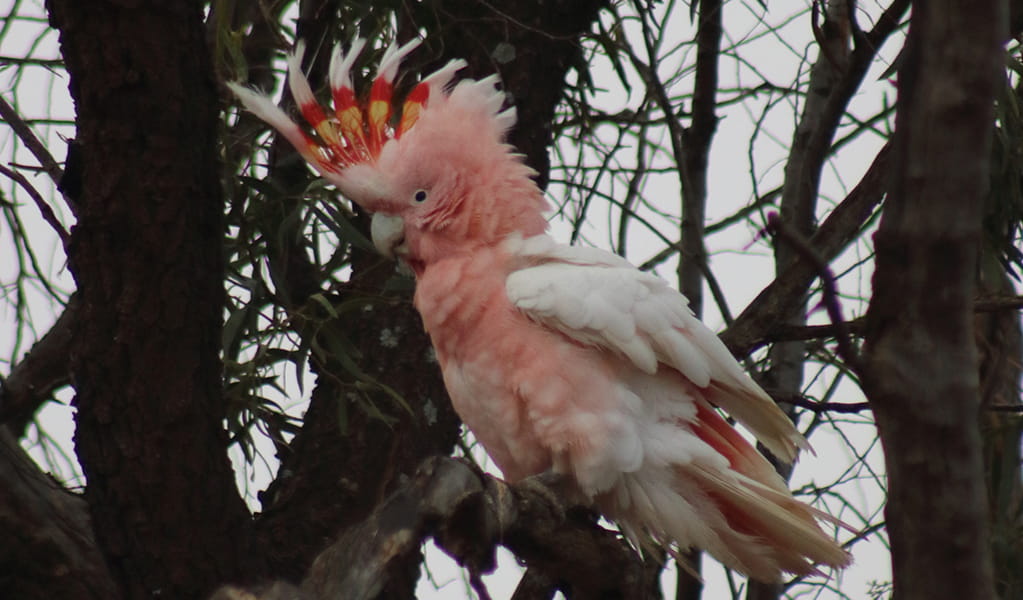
740, 511
752, 407
783, 527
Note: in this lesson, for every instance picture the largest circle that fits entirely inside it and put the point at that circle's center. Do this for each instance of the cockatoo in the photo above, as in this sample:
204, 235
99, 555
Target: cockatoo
561, 360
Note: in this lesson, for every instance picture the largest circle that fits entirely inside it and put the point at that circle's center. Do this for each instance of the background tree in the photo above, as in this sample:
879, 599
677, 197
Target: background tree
223, 323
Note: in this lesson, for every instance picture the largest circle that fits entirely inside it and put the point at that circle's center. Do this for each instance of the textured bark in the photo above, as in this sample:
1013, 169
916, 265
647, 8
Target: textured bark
921, 369
337, 470
49, 550
468, 513
146, 256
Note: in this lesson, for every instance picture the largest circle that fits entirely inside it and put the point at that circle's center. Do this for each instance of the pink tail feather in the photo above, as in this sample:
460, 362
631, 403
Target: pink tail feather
765, 529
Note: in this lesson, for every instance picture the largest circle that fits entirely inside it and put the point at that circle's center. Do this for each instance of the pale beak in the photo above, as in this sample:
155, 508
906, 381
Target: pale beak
388, 233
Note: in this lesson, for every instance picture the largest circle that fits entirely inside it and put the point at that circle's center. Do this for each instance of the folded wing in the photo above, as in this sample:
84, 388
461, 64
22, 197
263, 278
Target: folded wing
600, 299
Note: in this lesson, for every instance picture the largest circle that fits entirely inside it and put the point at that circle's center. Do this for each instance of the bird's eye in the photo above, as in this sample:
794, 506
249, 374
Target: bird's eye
420, 196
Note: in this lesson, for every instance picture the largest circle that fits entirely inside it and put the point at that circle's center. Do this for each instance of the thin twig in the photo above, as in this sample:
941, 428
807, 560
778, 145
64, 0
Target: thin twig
476, 581
819, 407
36, 147
832, 304
997, 303
44, 208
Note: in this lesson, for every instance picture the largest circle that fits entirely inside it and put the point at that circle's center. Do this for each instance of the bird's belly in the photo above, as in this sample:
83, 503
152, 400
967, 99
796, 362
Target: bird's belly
539, 402
488, 405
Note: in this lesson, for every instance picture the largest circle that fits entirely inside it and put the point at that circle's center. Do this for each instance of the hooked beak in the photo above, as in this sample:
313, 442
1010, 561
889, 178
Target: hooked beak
388, 232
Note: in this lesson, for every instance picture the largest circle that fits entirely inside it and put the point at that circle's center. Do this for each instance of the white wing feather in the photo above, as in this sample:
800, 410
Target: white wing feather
602, 300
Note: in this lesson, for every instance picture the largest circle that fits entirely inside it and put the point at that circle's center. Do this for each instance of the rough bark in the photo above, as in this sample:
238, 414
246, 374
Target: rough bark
49, 549
468, 513
146, 256
921, 369
337, 470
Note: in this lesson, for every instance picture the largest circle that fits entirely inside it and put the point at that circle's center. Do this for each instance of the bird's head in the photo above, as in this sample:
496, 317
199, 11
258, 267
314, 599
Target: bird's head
438, 176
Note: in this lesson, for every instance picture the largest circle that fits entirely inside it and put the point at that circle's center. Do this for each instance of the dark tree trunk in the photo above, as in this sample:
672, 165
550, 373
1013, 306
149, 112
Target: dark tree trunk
920, 372
146, 256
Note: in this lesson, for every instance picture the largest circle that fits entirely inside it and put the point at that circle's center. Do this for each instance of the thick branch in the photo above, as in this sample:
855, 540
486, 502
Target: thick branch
469, 513
776, 302
42, 371
48, 549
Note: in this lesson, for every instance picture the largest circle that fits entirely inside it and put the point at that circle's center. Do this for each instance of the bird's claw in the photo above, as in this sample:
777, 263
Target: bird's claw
557, 489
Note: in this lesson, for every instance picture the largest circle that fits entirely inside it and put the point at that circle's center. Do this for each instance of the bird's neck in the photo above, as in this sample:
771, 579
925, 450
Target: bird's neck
456, 293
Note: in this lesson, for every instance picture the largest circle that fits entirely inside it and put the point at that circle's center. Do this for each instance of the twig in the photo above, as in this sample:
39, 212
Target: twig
44, 208
856, 327
765, 200
788, 333
36, 147
819, 407
832, 304
997, 303
476, 581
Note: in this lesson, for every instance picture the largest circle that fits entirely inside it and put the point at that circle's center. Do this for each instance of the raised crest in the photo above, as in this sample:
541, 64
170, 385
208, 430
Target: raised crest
354, 131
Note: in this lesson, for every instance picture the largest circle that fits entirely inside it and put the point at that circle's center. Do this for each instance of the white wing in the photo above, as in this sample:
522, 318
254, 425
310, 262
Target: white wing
602, 300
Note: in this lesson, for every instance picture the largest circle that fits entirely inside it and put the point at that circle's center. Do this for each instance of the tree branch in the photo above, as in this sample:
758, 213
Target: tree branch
44, 209
37, 148
846, 350
755, 326
469, 513
42, 370
48, 550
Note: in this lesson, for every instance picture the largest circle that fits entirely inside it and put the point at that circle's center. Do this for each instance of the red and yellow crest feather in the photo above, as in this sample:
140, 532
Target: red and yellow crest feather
353, 132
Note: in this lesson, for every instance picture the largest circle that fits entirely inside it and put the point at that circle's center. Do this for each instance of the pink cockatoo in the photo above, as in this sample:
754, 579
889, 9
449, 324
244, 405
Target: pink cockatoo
560, 359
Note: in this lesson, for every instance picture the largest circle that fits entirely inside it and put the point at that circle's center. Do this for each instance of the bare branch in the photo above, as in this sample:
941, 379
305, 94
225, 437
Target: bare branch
469, 513
42, 371
36, 147
752, 328
832, 304
44, 208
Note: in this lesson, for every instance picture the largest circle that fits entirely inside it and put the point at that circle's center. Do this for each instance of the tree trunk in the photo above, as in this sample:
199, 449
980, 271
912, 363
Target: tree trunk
146, 256
920, 372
